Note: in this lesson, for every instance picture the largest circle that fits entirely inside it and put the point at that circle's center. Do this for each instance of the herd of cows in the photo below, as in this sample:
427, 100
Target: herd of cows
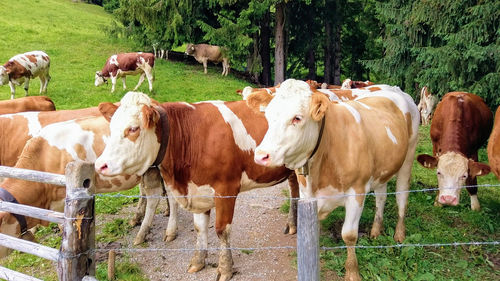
333, 143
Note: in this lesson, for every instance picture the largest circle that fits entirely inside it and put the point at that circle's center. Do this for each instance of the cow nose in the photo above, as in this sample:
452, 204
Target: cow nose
262, 158
448, 200
102, 169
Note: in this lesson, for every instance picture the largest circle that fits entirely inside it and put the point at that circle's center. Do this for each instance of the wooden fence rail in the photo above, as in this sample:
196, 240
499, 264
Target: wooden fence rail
75, 259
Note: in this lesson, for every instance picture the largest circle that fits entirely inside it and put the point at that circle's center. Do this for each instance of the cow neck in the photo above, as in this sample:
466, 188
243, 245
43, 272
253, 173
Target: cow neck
165, 131
304, 170
7, 197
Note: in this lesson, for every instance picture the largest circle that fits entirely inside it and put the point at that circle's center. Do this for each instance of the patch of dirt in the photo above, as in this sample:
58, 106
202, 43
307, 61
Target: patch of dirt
257, 223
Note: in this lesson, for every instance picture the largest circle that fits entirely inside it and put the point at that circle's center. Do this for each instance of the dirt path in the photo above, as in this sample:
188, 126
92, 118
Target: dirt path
257, 223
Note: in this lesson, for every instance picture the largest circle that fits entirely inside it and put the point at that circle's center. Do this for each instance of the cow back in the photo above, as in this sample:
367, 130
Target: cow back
35, 103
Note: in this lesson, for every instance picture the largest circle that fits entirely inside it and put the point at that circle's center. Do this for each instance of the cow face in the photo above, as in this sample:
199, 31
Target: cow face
453, 172
4, 76
133, 145
293, 116
99, 79
190, 49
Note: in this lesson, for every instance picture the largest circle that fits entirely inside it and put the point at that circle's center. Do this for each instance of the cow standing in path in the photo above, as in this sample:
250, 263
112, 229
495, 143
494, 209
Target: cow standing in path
461, 125
21, 68
121, 65
206, 153
349, 149
204, 53
426, 105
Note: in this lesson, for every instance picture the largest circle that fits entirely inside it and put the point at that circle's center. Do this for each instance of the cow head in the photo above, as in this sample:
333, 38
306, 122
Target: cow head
4, 75
293, 116
99, 79
453, 172
133, 144
190, 49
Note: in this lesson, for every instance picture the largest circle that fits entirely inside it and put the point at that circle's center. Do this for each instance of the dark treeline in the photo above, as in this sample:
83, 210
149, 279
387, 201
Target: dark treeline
445, 45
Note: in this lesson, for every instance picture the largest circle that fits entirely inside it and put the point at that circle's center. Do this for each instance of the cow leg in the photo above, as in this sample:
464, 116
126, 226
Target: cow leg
42, 83
225, 67
141, 207
380, 198
113, 83
26, 86
224, 209
141, 79
472, 189
293, 184
152, 184
201, 222
171, 231
353, 210
47, 80
12, 90
149, 75
205, 66
124, 82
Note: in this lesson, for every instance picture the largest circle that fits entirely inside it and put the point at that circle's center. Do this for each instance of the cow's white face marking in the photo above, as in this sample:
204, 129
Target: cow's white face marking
99, 79
452, 172
241, 137
391, 135
121, 154
292, 133
4, 77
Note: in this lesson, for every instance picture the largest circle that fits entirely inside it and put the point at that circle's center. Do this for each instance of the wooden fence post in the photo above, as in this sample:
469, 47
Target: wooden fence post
77, 258
308, 240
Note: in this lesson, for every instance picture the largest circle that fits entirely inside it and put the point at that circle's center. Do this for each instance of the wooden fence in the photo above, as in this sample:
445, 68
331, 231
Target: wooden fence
75, 259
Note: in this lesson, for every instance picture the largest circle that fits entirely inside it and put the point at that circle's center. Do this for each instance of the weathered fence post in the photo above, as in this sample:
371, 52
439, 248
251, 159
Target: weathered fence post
77, 258
308, 240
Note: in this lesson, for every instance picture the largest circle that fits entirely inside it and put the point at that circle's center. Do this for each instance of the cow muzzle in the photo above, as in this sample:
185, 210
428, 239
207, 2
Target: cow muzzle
262, 158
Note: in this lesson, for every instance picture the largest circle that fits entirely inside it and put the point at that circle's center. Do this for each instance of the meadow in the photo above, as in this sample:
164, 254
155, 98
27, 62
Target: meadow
74, 35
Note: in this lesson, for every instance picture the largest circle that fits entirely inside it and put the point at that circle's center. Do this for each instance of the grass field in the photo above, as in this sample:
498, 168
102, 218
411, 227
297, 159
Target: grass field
73, 36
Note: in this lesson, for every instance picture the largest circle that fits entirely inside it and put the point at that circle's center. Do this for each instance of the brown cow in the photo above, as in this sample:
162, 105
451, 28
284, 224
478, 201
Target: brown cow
21, 68
494, 146
208, 160
204, 53
461, 125
121, 65
35, 103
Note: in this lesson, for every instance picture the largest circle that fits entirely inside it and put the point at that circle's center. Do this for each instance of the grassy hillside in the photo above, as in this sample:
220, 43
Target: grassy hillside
73, 36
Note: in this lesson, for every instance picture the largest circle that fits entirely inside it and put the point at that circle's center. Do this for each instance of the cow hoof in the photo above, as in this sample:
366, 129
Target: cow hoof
375, 233
352, 276
133, 222
138, 240
169, 237
475, 208
290, 230
223, 276
167, 212
195, 267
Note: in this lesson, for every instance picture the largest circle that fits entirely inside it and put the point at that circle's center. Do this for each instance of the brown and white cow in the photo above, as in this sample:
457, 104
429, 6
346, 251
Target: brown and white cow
21, 68
204, 53
426, 105
494, 146
121, 65
35, 103
51, 150
207, 158
461, 125
349, 84
349, 149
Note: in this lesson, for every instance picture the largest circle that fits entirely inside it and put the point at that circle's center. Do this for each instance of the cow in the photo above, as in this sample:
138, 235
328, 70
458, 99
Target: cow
35, 103
207, 158
461, 125
494, 146
346, 149
426, 105
21, 68
204, 53
121, 65
51, 150
349, 84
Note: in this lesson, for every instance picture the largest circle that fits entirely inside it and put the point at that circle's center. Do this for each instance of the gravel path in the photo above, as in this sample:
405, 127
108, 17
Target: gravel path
257, 223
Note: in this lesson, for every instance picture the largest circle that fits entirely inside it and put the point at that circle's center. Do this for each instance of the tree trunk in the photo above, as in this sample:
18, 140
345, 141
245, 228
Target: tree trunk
265, 51
338, 54
311, 64
328, 52
279, 52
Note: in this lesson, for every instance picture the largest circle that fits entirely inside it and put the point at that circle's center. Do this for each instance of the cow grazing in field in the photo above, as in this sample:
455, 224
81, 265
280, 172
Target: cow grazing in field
461, 125
204, 53
35, 103
494, 146
51, 150
121, 65
349, 148
21, 68
208, 160
426, 105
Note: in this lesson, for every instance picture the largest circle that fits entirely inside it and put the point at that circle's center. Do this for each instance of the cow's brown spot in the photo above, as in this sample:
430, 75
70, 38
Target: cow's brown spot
45, 58
16, 70
374, 89
31, 58
127, 177
80, 151
116, 182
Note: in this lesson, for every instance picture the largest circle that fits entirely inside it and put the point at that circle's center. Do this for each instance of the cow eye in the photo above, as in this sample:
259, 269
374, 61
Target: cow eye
438, 173
296, 119
464, 176
133, 129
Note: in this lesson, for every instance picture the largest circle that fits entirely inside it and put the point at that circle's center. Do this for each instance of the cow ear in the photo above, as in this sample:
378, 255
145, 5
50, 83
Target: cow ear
150, 117
107, 109
428, 161
478, 169
319, 104
258, 100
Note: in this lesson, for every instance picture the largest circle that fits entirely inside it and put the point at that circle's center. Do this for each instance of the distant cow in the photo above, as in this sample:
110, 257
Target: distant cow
204, 53
349, 84
36, 103
462, 123
121, 65
494, 146
426, 105
21, 68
